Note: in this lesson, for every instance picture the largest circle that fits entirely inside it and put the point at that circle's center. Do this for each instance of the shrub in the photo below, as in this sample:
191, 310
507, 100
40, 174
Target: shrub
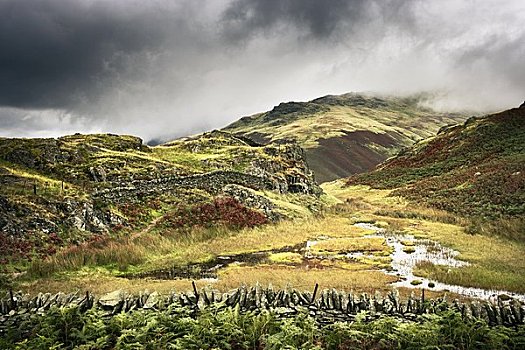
222, 211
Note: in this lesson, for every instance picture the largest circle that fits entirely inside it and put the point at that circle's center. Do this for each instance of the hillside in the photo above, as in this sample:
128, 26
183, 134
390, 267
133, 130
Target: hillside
476, 169
58, 192
346, 134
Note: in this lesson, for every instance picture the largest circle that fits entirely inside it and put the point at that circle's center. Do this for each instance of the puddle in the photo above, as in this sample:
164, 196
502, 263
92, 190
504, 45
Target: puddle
369, 226
405, 257
207, 271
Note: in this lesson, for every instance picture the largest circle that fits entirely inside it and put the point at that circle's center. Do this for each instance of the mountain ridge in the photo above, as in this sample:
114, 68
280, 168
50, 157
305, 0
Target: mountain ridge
346, 134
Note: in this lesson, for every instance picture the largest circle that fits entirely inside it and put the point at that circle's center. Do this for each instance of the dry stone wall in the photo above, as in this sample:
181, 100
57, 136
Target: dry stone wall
326, 307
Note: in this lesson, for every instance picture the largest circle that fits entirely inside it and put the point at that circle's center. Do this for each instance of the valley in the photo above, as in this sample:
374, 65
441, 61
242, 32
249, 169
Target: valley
348, 254
226, 216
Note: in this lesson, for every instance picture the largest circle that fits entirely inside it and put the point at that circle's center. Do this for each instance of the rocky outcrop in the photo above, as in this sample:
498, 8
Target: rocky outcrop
39, 154
46, 216
85, 217
292, 173
252, 200
71, 182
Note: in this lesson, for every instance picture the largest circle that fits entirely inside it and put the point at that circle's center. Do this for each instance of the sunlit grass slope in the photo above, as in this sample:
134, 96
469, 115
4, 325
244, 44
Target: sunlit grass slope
349, 133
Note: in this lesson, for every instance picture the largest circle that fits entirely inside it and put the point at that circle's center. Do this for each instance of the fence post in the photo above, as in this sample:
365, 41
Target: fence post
12, 298
315, 293
195, 292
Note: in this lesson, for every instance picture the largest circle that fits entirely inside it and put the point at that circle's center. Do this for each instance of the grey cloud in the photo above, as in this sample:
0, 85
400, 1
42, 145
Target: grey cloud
314, 19
159, 68
62, 54
501, 55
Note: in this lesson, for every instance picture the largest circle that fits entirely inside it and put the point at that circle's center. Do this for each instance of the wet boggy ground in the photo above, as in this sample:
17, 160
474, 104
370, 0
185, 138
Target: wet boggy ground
405, 253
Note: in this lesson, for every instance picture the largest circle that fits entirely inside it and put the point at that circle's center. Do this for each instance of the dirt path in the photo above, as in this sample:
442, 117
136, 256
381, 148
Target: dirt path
147, 228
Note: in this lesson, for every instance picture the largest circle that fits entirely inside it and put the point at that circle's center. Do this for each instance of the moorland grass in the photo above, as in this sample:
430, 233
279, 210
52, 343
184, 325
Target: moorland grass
347, 245
496, 262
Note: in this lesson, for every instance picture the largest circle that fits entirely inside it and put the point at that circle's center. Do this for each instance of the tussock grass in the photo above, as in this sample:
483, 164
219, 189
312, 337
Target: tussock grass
163, 248
488, 277
300, 278
117, 253
496, 260
352, 245
286, 258
511, 228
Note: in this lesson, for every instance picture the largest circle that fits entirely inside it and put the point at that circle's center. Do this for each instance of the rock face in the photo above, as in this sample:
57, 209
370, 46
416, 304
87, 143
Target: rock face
249, 198
46, 216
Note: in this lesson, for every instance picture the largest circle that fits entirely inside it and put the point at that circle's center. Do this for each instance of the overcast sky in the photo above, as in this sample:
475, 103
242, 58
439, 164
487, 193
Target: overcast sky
164, 68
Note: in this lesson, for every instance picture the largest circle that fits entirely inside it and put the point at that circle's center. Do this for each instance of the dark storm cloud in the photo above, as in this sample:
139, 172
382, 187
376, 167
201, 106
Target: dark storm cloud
163, 67
62, 54
317, 19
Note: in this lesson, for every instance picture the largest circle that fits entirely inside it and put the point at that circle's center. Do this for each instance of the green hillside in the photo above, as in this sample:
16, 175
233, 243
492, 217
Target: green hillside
476, 169
346, 134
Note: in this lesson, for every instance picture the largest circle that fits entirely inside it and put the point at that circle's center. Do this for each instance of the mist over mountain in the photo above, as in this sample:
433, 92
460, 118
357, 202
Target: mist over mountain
347, 134
164, 69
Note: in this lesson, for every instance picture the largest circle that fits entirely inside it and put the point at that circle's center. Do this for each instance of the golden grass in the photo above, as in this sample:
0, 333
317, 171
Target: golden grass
160, 249
282, 235
496, 262
341, 264
487, 277
283, 276
352, 245
286, 258
99, 283
409, 250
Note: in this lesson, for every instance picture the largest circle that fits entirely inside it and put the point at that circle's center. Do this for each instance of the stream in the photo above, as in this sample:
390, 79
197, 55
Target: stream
425, 250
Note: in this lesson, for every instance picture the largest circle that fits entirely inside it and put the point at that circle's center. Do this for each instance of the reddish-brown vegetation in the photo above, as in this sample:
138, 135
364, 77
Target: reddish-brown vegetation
475, 169
222, 211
